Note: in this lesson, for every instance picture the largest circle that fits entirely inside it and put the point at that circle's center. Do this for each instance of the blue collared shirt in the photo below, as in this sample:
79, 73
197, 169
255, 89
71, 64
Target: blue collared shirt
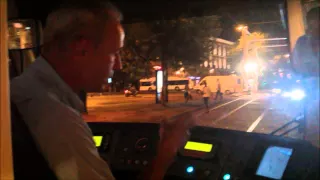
306, 55
51, 110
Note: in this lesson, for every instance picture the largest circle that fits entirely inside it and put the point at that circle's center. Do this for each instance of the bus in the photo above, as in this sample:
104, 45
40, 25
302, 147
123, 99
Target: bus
178, 84
174, 83
148, 84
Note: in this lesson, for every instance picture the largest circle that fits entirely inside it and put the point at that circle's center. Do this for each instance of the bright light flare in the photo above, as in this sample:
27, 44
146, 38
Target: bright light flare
251, 67
157, 67
277, 91
17, 25
286, 94
297, 94
241, 27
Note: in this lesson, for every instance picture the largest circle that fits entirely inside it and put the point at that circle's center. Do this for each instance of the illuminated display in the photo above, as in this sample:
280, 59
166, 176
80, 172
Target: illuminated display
97, 140
159, 81
274, 162
190, 169
196, 146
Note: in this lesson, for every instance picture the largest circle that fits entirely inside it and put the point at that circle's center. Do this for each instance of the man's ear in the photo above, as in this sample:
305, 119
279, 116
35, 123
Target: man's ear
80, 46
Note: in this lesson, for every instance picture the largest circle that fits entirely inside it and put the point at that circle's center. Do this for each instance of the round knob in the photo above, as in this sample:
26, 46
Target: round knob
142, 144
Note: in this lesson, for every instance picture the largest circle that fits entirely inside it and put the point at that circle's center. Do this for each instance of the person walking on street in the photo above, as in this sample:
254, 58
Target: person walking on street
187, 95
206, 93
218, 90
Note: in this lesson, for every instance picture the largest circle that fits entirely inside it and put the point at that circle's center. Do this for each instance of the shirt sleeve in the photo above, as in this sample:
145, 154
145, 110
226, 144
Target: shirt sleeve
297, 59
65, 140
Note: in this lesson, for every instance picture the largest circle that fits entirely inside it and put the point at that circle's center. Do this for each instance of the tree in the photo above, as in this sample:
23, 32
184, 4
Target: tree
179, 42
251, 41
136, 51
136, 67
183, 41
186, 39
255, 48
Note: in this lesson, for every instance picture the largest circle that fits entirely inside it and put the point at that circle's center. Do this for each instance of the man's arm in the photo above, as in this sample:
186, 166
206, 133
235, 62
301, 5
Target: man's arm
297, 56
173, 135
65, 140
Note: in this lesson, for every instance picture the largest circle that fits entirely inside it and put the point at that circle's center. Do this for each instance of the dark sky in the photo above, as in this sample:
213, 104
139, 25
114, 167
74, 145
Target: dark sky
232, 12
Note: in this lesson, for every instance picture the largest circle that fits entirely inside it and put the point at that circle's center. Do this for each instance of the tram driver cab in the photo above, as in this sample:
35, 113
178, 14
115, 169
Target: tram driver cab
210, 153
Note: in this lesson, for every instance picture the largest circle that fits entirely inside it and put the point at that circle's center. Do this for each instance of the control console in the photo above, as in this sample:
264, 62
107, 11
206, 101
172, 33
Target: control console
127, 147
210, 153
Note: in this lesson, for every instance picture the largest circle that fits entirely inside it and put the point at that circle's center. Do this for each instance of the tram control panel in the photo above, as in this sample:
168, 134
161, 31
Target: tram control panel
210, 153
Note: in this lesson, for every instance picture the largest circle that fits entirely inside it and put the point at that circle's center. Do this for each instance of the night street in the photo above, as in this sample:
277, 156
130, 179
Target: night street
261, 112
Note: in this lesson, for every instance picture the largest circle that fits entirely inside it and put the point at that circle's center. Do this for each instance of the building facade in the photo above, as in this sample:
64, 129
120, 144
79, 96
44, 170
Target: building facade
217, 61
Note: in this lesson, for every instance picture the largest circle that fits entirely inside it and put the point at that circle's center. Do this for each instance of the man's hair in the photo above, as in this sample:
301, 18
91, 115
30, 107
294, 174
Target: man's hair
73, 17
313, 13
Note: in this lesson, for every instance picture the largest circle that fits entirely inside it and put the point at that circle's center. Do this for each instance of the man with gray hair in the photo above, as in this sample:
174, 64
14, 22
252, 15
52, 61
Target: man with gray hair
306, 62
81, 48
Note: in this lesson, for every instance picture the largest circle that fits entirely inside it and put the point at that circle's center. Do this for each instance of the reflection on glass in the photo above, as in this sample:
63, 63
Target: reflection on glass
21, 34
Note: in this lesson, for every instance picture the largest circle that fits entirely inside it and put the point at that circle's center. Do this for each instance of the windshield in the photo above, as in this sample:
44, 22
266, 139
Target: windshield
240, 51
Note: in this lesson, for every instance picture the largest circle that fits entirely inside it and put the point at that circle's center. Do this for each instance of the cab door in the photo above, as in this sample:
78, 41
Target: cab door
6, 166
20, 41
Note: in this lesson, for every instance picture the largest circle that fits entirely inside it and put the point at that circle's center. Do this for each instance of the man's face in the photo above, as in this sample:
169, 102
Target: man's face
100, 60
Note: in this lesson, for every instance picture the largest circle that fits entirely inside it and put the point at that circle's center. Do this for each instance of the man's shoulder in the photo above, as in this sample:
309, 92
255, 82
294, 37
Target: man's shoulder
41, 113
302, 40
27, 90
36, 101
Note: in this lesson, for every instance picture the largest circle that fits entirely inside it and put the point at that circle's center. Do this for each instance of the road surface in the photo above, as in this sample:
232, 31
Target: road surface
261, 112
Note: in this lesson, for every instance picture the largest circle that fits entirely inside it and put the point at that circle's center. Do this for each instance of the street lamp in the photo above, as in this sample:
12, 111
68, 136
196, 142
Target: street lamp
240, 27
157, 68
244, 33
243, 29
250, 67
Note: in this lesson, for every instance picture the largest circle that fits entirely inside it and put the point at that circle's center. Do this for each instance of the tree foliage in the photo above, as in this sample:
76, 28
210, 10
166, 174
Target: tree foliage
181, 41
251, 40
254, 48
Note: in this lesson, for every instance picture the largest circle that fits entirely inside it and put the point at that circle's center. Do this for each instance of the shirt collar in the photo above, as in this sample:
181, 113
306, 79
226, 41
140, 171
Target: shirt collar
55, 84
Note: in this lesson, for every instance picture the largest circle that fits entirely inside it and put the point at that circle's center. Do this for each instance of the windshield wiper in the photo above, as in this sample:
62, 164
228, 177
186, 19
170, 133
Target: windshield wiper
299, 122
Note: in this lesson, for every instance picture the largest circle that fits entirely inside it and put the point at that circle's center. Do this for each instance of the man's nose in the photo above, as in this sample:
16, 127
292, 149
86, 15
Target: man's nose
117, 63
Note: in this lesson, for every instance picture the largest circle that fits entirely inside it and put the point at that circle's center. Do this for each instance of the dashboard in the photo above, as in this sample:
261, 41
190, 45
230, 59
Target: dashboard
210, 153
